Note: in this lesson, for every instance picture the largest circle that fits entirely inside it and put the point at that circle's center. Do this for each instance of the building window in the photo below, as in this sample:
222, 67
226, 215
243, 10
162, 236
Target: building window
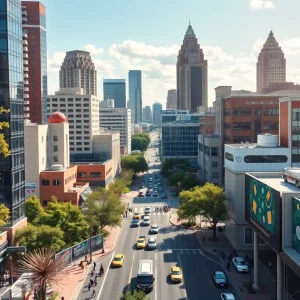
55, 139
56, 182
82, 174
214, 164
242, 112
241, 126
227, 112
271, 112
214, 151
55, 158
55, 148
226, 139
95, 174
229, 156
206, 150
200, 147
265, 159
45, 182
271, 126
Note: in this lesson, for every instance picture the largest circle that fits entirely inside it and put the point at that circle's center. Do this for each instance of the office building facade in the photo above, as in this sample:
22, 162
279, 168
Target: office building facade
191, 72
172, 99
78, 71
35, 61
156, 111
147, 114
135, 101
115, 89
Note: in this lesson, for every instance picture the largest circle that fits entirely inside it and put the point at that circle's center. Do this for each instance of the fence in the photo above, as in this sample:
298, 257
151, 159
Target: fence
77, 251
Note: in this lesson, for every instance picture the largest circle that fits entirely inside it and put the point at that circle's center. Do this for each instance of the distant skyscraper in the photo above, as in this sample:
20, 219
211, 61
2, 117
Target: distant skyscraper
191, 74
115, 89
78, 71
156, 109
147, 114
172, 99
271, 64
35, 61
12, 171
135, 95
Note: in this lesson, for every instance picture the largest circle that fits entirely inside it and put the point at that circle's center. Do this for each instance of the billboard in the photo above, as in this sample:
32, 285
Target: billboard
30, 189
296, 224
263, 211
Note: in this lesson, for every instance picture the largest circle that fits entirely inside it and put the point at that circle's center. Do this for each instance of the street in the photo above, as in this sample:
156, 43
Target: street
175, 246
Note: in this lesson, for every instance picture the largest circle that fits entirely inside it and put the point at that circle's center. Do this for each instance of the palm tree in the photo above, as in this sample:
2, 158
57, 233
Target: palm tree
45, 271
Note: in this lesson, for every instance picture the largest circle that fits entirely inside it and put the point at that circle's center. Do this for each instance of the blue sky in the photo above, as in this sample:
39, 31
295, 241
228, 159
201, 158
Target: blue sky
146, 35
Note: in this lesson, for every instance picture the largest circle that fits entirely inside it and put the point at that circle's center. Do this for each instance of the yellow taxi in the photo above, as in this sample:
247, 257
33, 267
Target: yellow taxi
176, 274
141, 242
136, 215
118, 260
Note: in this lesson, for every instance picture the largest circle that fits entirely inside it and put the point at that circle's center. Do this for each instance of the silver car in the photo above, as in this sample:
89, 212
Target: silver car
151, 243
147, 211
154, 228
227, 296
146, 220
240, 265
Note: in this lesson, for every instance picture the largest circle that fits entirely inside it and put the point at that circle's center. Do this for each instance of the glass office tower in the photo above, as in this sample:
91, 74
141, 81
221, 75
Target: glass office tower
12, 174
115, 89
135, 95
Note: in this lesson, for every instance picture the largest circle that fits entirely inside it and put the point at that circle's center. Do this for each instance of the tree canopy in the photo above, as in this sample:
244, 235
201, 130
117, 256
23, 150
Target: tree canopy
208, 201
4, 215
187, 181
103, 208
4, 147
170, 164
139, 143
136, 163
122, 184
136, 295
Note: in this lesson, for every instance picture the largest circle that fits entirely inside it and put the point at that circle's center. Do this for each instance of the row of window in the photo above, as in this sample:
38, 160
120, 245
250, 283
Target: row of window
91, 174
69, 99
210, 151
248, 112
259, 159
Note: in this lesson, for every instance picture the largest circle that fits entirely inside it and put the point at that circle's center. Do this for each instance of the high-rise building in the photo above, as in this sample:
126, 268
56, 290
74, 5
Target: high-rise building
115, 89
35, 61
109, 103
271, 64
12, 170
78, 71
172, 99
156, 110
147, 114
135, 95
191, 74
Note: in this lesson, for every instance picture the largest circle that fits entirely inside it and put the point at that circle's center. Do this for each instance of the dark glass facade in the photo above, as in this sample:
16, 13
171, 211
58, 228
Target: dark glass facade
196, 88
115, 89
12, 174
135, 95
156, 110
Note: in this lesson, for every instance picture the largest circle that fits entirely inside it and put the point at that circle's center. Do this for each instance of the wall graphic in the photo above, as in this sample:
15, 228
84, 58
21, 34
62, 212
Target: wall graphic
296, 224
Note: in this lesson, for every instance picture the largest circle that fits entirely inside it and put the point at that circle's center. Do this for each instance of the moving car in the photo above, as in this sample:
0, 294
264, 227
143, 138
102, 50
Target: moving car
154, 228
152, 243
154, 194
147, 210
135, 223
146, 220
141, 194
163, 196
176, 274
155, 186
141, 242
149, 186
159, 183
145, 275
160, 189
240, 265
219, 279
148, 194
118, 260
227, 296
136, 215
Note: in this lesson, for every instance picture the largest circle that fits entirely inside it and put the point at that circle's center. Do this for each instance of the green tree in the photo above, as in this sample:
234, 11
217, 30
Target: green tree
103, 208
139, 143
136, 295
34, 210
4, 215
119, 187
4, 147
42, 236
177, 177
146, 136
168, 165
127, 177
136, 163
189, 181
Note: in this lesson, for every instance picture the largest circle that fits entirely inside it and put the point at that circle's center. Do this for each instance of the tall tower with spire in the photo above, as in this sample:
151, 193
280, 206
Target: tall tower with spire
271, 64
191, 72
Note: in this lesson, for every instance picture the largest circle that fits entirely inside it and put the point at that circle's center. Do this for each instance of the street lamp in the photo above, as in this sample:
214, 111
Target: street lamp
91, 231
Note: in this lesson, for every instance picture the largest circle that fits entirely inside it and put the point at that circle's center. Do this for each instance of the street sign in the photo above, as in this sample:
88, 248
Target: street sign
20, 249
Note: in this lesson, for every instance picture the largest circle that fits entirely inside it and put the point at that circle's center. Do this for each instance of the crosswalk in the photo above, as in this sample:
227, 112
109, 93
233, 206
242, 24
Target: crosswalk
153, 212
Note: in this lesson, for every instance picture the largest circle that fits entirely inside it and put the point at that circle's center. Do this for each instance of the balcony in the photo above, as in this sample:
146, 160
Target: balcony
25, 42
26, 96
26, 102
26, 75
26, 115
26, 89
26, 109
25, 49
25, 55
25, 69
26, 82
24, 19
25, 62
24, 35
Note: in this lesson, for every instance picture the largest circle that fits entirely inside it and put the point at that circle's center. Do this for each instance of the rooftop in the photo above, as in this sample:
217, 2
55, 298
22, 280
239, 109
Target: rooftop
252, 146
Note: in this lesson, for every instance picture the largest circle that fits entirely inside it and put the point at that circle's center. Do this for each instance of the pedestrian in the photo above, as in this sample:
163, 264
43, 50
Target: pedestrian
96, 280
62, 298
89, 286
94, 265
92, 282
93, 293
85, 257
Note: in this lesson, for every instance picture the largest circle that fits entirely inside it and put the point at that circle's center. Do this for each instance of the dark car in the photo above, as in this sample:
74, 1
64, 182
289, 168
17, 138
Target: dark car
154, 194
141, 194
135, 223
148, 194
163, 196
219, 279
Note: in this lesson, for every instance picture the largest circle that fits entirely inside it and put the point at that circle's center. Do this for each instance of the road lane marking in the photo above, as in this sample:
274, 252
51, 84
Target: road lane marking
105, 276
183, 283
194, 252
155, 281
181, 252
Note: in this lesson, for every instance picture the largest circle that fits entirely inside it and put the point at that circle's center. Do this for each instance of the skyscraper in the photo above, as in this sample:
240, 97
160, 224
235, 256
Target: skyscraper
172, 99
147, 114
271, 64
156, 110
135, 95
35, 61
191, 74
12, 181
78, 71
115, 89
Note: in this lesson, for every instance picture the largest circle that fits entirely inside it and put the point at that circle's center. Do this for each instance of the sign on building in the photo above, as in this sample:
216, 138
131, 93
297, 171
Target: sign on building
30, 189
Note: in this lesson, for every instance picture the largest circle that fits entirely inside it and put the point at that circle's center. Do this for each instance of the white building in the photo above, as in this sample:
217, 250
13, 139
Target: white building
109, 103
117, 119
82, 112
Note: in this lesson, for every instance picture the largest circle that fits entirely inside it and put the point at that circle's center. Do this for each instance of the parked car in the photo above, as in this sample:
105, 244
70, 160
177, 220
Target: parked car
240, 265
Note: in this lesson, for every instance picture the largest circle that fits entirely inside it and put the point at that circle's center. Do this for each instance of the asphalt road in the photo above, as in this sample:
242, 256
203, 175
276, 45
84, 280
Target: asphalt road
175, 246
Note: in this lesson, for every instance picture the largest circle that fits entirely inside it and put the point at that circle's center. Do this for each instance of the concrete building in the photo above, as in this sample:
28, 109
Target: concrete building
109, 103
135, 102
156, 111
282, 87
147, 114
117, 119
191, 74
265, 156
271, 64
115, 89
35, 61
172, 99
78, 71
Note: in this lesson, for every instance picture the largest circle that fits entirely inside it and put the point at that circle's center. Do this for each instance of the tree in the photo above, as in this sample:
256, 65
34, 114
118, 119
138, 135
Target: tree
136, 163
33, 209
127, 177
171, 163
4, 215
146, 136
42, 236
139, 143
45, 271
136, 295
189, 181
177, 177
119, 187
103, 208
4, 147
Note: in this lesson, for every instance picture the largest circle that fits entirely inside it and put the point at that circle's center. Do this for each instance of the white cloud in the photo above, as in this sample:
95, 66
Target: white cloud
291, 46
257, 45
55, 60
216, 54
93, 50
261, 4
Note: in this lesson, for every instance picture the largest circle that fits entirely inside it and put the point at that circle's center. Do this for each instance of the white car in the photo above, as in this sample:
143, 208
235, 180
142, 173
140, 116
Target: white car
227, 296
154, 228
147, 211
240, 265
146, 220
151, 243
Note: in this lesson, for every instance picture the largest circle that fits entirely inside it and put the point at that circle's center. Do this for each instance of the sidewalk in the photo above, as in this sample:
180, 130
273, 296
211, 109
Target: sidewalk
240, 281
